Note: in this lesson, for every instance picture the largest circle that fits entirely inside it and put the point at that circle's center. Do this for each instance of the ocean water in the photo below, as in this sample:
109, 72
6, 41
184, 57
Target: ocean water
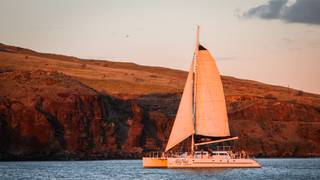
132, 169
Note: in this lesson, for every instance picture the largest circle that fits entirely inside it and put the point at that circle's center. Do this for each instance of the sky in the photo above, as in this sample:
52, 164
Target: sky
271, 41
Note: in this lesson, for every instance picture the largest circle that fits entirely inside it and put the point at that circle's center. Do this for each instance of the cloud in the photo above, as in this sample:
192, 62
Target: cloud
301, 11
272, 10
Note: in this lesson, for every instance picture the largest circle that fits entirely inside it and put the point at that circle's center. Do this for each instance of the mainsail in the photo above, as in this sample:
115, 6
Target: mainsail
202, 95
211, 113
183, 125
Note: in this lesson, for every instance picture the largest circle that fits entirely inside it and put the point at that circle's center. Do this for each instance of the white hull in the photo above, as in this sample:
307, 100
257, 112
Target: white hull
211, 163
150, 162
153, 162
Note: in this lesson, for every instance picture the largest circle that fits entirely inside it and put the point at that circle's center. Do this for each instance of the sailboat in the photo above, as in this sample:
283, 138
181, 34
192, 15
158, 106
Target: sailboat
202, 119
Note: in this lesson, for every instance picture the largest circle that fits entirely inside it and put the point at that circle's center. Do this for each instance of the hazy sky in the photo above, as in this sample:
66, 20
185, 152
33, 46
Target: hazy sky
275, 41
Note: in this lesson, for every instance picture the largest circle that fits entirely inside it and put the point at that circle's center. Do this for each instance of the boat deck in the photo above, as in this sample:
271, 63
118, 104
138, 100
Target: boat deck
218, 159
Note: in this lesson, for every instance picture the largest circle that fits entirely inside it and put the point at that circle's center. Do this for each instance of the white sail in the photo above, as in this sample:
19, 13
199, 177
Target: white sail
211, 113
202, 111
183, 125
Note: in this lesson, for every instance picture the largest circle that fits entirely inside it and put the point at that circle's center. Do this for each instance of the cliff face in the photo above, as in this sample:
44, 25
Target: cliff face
50, 115
58, 107
272, 128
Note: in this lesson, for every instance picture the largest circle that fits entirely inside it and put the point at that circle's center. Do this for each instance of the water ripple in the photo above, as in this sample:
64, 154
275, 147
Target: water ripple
132, 169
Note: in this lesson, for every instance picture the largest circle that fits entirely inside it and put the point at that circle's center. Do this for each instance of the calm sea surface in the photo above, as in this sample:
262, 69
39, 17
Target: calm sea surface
132, 169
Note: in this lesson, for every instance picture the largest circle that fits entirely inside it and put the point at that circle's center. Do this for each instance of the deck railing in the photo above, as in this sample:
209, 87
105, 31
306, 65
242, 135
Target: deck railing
208, 154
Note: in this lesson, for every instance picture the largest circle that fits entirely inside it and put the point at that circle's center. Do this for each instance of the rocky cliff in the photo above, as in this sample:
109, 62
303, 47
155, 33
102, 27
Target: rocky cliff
60, 107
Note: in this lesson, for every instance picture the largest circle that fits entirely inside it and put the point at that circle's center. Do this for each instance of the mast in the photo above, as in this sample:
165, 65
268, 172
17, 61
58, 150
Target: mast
194, 87
197, 41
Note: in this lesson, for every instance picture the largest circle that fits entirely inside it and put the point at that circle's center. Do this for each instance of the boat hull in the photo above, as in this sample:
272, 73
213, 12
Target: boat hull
152, 162
198, 163
211, 163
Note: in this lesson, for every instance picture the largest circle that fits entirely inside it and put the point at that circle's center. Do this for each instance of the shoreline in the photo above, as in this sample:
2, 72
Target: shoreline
121, 159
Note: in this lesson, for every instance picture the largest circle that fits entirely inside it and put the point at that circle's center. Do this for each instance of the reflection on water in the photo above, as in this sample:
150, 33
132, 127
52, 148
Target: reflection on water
202, 170
132, 169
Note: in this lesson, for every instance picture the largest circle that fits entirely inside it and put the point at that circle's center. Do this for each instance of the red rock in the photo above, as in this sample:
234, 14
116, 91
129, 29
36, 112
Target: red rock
47, 114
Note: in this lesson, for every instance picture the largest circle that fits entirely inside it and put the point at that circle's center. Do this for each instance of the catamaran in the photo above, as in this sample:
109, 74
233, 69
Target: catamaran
202, 119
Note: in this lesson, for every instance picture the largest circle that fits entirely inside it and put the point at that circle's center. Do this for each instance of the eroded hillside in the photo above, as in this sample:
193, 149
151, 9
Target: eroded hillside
55, 106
